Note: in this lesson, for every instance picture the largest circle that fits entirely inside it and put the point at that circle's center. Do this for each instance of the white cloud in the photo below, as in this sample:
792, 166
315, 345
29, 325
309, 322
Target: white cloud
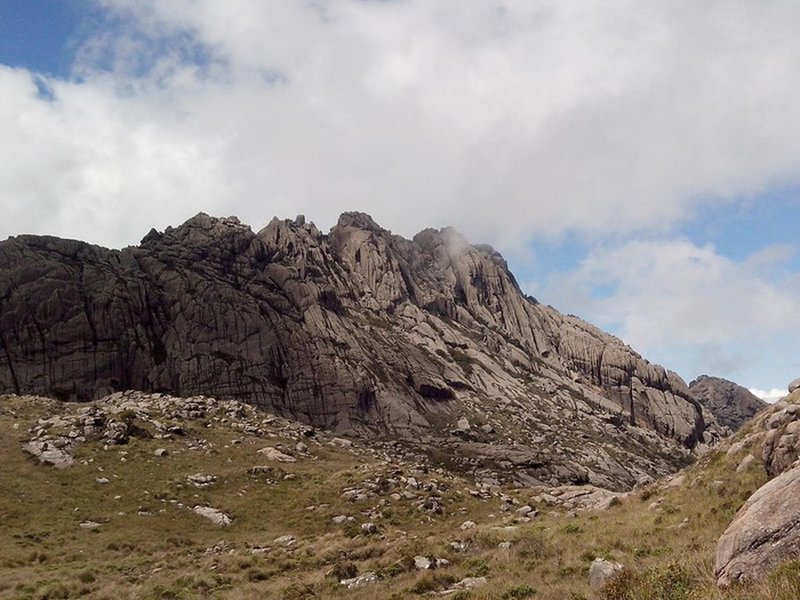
689, 307
770, 396
507, 119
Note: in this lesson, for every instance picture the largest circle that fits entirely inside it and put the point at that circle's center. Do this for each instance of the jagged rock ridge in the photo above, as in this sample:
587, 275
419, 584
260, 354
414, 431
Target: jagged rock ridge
357, 330
731, 404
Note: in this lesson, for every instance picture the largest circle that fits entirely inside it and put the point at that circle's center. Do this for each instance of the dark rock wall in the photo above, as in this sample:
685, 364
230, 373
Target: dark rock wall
731, 404
357, 330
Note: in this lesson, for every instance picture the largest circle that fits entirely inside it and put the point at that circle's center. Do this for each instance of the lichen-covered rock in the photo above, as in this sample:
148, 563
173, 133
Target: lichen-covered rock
764, 533
358, 331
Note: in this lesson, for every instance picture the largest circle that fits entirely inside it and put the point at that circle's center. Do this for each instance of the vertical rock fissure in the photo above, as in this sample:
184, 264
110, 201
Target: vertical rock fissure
10, 364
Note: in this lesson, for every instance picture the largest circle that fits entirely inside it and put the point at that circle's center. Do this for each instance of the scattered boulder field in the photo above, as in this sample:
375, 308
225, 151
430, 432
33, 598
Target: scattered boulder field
149, 495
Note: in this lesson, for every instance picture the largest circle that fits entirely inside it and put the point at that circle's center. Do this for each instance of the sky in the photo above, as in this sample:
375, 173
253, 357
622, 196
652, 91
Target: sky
637, 162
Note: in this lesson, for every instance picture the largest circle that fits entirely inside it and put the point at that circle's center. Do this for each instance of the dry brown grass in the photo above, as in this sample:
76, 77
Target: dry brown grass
172, 553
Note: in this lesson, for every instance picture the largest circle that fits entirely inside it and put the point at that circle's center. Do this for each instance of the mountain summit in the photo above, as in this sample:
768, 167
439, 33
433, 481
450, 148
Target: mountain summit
359, 331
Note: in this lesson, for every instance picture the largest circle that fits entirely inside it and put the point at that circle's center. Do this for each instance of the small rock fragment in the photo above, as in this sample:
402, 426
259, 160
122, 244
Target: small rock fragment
355, 582
422, 563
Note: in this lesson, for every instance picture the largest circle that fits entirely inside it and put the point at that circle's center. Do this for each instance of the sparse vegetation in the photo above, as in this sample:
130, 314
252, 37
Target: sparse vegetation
149, 544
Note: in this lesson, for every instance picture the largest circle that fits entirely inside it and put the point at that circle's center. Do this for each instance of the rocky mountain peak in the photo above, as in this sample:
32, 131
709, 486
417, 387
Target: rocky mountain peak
357, 331
359, 220
731, 404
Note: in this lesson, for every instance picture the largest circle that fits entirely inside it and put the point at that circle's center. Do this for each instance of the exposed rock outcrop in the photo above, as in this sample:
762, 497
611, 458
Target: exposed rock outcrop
357, 331
766, 530
731, 404
764, 534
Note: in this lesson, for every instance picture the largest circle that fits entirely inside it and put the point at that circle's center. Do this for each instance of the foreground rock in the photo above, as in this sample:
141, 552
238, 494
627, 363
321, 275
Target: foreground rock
357, 331
214, 515
601, 571
766, 530
47, 452
764, 533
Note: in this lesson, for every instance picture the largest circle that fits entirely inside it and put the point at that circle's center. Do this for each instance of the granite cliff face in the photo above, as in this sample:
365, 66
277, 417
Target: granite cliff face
731, 404
358, 331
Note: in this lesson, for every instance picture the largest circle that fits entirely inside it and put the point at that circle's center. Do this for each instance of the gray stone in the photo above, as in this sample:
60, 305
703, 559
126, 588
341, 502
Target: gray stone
48, 453
422, 563
369, 528
781, 445
285, 540
361, 580
763, 534
214, 515
601, 571
201, 480
744, 463
731, 404
468, 583
276, 455
794, 385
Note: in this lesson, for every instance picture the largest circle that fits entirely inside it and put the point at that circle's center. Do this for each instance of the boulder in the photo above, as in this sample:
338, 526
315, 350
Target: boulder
360, 580
601, 570
763, 534
214, 515
276, 455
781, 445
422, 563
46, 452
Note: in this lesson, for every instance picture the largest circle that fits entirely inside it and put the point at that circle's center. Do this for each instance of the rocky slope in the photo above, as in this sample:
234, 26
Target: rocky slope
766, 531
153, 496
358, 331
731, 404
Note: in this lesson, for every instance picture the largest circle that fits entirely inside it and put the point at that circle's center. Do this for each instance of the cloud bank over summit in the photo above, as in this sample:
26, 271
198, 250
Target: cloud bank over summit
512, 121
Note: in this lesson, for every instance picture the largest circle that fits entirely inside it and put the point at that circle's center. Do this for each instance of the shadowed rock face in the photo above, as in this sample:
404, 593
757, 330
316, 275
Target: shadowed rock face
357, 330
731, 404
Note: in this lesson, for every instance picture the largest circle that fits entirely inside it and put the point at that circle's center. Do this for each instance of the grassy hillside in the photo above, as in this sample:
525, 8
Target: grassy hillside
119, 522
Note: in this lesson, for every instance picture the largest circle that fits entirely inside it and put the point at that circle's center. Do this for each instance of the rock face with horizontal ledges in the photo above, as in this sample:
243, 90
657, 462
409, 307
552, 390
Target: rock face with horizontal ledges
358, 330
731, 404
